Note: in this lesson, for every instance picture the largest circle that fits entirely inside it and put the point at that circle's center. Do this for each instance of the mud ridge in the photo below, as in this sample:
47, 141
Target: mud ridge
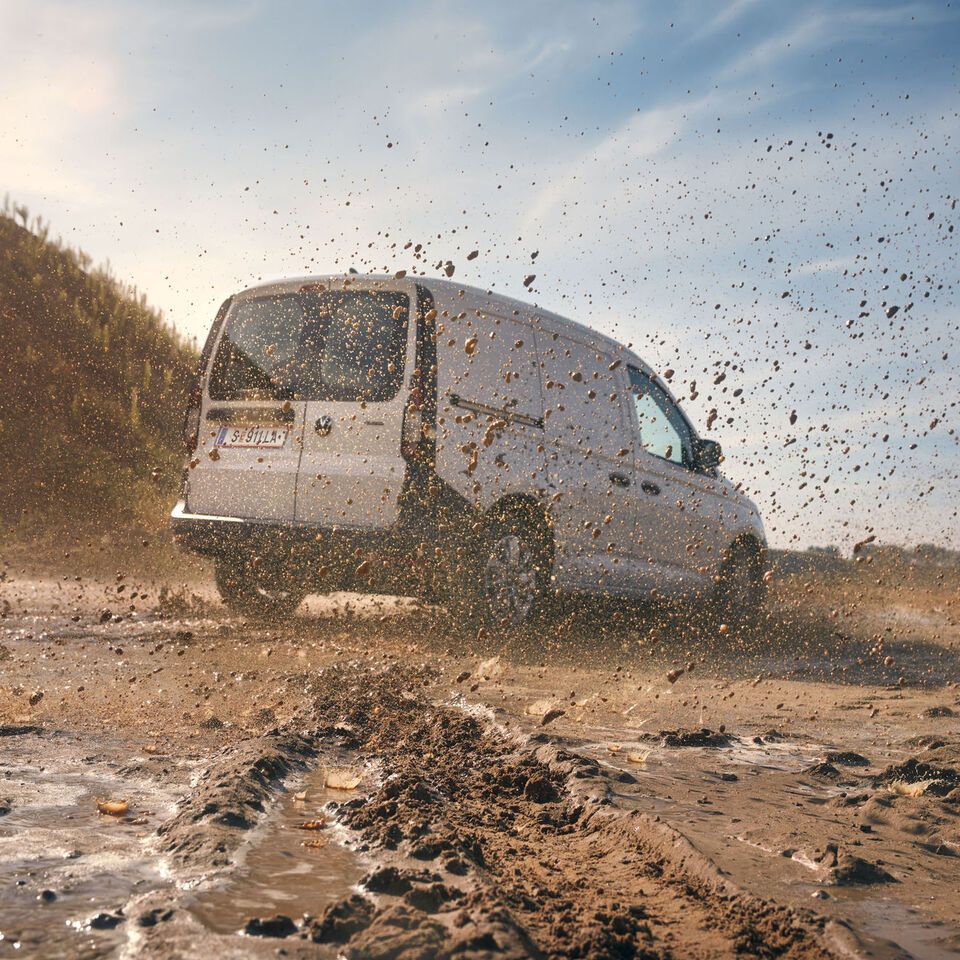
509, 847
229, 799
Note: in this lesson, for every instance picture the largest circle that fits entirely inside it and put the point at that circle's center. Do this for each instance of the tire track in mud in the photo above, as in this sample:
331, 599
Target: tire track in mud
490, 844
535, 828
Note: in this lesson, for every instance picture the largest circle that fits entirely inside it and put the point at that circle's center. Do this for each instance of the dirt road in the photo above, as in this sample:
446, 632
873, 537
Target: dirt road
619, 787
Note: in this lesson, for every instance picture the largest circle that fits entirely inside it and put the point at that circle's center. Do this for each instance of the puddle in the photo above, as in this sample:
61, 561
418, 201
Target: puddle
278, 873
893, 922
66, 871
61, 862
648, 758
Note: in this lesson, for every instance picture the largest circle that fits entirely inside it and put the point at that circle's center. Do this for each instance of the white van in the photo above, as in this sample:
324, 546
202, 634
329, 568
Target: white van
406, 435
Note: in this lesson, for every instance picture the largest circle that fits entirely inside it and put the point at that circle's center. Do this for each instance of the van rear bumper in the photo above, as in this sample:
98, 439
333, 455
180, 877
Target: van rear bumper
217, 535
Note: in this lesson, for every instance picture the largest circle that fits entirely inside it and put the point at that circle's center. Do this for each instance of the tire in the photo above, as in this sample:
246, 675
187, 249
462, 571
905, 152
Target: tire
259, 590
509, 571
740, 590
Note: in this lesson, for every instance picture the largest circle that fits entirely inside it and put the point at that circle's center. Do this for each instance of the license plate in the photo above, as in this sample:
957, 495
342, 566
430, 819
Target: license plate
269, 438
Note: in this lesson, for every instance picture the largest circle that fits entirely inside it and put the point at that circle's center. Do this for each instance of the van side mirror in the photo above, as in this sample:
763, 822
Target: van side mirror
709, 454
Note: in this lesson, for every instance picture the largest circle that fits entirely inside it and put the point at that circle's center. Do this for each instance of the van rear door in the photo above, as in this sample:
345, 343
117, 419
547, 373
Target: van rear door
251, 416
352, 469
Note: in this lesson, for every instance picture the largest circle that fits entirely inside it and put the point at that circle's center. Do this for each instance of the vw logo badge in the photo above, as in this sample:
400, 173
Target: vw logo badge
324, 425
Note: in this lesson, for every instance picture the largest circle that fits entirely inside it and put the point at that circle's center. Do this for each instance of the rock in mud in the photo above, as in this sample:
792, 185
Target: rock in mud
540, 790
703, 737
278, 926
850, 800
823, 771
932, 713
394, 881
930, 778
551, 715
771, 736
343, 920
105, 921
846, 869
853, 870
151, 918
847, 758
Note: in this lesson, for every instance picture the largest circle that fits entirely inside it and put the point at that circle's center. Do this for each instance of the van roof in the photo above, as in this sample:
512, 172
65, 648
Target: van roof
472, 298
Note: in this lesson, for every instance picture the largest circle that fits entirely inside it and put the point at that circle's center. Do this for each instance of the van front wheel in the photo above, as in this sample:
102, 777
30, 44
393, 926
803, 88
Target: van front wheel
740, 591
257, 589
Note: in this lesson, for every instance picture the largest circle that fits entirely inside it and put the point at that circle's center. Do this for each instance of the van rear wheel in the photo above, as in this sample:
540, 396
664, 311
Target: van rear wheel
511, 570
258, 589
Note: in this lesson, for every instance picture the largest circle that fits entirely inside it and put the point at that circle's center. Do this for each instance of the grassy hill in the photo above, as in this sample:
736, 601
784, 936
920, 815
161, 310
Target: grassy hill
92, 387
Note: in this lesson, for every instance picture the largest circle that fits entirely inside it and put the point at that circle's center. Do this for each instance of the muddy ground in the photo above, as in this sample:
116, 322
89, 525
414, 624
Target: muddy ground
618, 786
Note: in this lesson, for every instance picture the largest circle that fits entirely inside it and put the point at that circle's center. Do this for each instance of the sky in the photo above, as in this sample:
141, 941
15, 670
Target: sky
743, 190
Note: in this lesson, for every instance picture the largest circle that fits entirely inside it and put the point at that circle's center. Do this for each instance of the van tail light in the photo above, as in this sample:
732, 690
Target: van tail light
191, 429
412, 433
191, 422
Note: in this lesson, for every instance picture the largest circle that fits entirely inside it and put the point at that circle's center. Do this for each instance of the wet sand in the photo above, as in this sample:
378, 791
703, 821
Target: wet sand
787, 794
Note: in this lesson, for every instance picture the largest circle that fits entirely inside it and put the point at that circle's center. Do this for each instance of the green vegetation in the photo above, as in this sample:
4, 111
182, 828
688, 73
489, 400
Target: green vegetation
92, 388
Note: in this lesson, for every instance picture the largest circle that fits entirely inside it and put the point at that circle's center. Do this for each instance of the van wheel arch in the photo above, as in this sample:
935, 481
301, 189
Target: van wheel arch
529, 509
520, 504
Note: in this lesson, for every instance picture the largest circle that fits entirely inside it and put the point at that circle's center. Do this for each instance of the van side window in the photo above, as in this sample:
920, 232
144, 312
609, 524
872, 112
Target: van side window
663, 431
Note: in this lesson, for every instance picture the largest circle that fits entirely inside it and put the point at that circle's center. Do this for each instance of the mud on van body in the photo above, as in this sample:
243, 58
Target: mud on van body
418, 436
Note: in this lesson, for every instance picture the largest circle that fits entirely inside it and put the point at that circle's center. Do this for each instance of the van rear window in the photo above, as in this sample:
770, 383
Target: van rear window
318, 345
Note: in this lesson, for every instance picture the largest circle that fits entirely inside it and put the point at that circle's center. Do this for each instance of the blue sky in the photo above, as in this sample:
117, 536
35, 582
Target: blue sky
721, 184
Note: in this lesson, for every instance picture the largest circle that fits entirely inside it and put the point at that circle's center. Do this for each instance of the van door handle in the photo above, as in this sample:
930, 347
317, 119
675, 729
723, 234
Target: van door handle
620, 479
647, 486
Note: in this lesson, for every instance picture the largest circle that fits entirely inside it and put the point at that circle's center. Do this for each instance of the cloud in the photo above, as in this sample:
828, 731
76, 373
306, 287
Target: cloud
732, 12
645, 135
829, 26
827, 265
808, 32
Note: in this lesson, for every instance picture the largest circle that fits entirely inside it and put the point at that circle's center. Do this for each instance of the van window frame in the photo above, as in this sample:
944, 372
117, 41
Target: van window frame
670, 409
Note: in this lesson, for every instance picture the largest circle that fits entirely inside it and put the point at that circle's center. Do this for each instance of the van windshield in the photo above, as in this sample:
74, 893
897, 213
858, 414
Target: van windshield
318, 345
